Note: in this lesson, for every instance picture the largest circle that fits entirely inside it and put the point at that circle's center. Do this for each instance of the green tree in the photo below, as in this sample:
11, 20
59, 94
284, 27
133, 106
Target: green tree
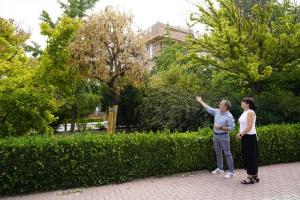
77, 8
180, 77
25, 105
75, 93
170, 108
72, 90
238, 35
34, 49
248, 48
129, 102
170, 55
168, 102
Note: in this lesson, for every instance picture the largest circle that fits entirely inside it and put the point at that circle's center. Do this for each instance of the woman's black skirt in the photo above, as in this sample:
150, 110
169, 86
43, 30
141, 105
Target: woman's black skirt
250, 153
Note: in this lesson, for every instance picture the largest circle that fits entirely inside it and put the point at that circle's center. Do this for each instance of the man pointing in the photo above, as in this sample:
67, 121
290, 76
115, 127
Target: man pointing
223, 124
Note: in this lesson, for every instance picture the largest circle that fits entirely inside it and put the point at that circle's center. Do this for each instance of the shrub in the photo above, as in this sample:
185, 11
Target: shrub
41, 163
170, 108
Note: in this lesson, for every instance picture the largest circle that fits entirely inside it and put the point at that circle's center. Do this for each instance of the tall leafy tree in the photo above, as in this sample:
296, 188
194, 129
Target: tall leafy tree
77, 8
169, 108
247, 47
73, 90
171, 54
25, 105
107, 49
251, 48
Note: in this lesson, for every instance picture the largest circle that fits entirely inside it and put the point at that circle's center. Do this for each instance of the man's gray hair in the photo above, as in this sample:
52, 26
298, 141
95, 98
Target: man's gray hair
227, 103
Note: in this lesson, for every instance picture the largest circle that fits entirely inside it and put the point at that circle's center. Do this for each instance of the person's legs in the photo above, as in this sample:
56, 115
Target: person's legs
252, 155
257, 154
218, 150
225, 142
244, 151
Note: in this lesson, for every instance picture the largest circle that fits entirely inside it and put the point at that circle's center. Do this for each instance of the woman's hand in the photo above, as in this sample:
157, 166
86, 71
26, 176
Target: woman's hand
239, 136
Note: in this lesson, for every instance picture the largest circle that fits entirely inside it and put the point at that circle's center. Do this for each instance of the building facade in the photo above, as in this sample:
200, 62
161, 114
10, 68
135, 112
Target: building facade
155, 35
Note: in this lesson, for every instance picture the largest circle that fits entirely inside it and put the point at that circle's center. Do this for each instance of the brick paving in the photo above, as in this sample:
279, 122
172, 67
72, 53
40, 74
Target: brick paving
278, 182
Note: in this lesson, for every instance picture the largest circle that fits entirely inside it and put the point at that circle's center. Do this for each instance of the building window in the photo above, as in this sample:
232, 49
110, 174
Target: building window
151, 50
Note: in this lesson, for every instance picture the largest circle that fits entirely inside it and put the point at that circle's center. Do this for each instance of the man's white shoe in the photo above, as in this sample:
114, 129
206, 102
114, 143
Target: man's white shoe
218, 171
229, 175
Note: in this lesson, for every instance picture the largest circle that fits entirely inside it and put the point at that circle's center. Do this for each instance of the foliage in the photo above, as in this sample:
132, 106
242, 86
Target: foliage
170, 108
107, 49
278, 105
25, 105
248, 47
44, 163
170, 55
129, 102
177, 76
77, 8
77, 96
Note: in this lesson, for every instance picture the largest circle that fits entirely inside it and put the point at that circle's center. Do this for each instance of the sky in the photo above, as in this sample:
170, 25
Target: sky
26, 13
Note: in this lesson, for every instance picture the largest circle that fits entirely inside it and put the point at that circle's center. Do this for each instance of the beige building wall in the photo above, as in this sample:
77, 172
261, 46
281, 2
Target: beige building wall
155, 35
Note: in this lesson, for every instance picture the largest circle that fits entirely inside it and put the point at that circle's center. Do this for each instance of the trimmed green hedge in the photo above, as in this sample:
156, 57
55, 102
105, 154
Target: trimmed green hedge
85, 120
41, 163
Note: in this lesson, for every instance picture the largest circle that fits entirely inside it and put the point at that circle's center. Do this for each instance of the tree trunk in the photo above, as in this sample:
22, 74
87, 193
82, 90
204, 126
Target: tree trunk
112, 118
112, 115
66, 127
73, 118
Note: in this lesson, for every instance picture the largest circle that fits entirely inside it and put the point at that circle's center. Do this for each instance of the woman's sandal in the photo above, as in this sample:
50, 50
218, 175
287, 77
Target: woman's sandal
256, 179
250, 180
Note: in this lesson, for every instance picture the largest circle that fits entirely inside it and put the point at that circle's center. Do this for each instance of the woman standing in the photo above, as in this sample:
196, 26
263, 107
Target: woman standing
248, 136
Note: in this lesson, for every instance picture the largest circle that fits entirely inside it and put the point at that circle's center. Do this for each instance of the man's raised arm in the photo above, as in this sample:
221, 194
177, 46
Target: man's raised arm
210, 110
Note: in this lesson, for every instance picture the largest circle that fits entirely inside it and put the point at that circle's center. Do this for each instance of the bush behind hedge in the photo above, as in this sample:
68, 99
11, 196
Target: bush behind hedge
42, 163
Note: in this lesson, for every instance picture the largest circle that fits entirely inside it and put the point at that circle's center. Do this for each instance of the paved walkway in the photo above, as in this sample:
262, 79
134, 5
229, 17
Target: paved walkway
280, 181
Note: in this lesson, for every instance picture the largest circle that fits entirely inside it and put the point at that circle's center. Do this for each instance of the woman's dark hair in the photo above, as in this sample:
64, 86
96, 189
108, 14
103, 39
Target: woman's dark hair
250, 101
